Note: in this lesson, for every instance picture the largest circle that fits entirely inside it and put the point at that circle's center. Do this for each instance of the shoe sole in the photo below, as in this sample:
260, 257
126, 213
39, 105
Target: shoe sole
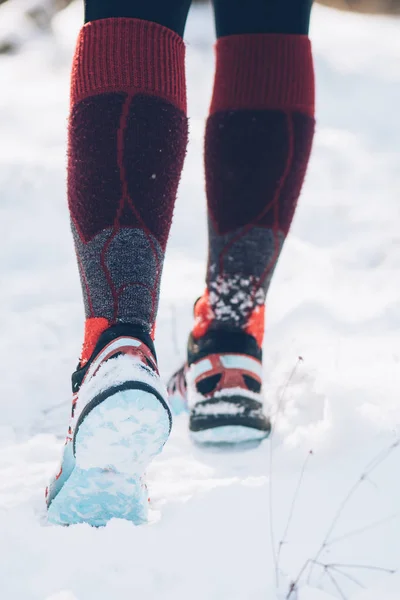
229, 420
114, 445
229, 435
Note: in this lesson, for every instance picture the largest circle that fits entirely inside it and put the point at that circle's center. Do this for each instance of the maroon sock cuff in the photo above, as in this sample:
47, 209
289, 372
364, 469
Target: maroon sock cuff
130, 55
264, 72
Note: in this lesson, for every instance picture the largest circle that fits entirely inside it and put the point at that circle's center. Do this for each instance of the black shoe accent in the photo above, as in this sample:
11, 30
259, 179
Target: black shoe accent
208, 385
128, 385
110, 334
252, 384
249, 414
222, 341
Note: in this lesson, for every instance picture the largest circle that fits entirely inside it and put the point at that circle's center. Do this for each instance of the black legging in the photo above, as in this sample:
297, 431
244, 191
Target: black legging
262, 16
231, 16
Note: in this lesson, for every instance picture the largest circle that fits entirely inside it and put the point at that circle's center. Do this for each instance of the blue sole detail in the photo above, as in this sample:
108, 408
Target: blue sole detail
178, 404
114, 445
229, 435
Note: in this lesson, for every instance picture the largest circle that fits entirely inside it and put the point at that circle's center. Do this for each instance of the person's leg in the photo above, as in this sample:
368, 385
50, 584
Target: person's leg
258, 141
284, 17
257, 147
169, 13
127, 143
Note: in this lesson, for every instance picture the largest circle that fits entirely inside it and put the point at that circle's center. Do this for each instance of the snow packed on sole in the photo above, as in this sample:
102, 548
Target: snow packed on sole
229, 435
114, 445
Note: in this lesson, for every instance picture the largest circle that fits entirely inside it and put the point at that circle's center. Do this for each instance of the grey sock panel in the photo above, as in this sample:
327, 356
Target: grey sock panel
239, 273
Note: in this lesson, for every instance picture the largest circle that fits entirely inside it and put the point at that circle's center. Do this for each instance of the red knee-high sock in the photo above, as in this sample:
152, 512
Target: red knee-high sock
127, 143
258, 143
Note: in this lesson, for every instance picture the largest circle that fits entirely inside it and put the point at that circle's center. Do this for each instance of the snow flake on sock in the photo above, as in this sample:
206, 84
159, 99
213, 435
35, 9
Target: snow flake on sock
233, 299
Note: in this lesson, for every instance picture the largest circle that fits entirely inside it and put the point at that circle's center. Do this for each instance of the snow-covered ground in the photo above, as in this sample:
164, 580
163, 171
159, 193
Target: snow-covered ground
335, 302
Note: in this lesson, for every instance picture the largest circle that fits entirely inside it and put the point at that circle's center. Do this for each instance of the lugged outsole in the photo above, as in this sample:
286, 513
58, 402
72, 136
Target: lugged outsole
234, 419
229, 435
114, 445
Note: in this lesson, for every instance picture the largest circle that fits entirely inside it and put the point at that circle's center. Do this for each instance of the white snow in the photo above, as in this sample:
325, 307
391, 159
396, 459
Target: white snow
114, 372
335, 301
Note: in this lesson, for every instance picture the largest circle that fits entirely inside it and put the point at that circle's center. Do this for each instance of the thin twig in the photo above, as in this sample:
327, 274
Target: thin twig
374, 464
366, 567
325, 569
378, 459
271, 518
292, 590
271, 460
292, 508
338, 568
349, 577
362, 529
335, 584
295, 583
288, 382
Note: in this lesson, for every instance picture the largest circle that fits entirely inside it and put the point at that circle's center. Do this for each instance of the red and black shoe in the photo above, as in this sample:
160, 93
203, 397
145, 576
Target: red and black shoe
221, 384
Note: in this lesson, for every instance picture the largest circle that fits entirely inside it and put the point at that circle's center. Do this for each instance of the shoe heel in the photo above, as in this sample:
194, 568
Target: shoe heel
116, 438
229, 420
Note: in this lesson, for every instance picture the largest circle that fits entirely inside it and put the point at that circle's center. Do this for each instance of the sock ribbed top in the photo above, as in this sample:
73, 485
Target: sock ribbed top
281, 75
129, 55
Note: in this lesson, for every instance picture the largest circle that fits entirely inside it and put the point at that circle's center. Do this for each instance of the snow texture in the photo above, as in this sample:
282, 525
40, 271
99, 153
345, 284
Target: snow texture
115, 372
114, 445
334, 302
233, 299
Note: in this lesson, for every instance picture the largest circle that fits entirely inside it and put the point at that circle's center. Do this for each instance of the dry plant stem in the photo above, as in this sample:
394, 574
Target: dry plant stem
335, 584
292, 509
288, 382
349, 577
362, 529
366, 567
374, 464
271, 448
326, 567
